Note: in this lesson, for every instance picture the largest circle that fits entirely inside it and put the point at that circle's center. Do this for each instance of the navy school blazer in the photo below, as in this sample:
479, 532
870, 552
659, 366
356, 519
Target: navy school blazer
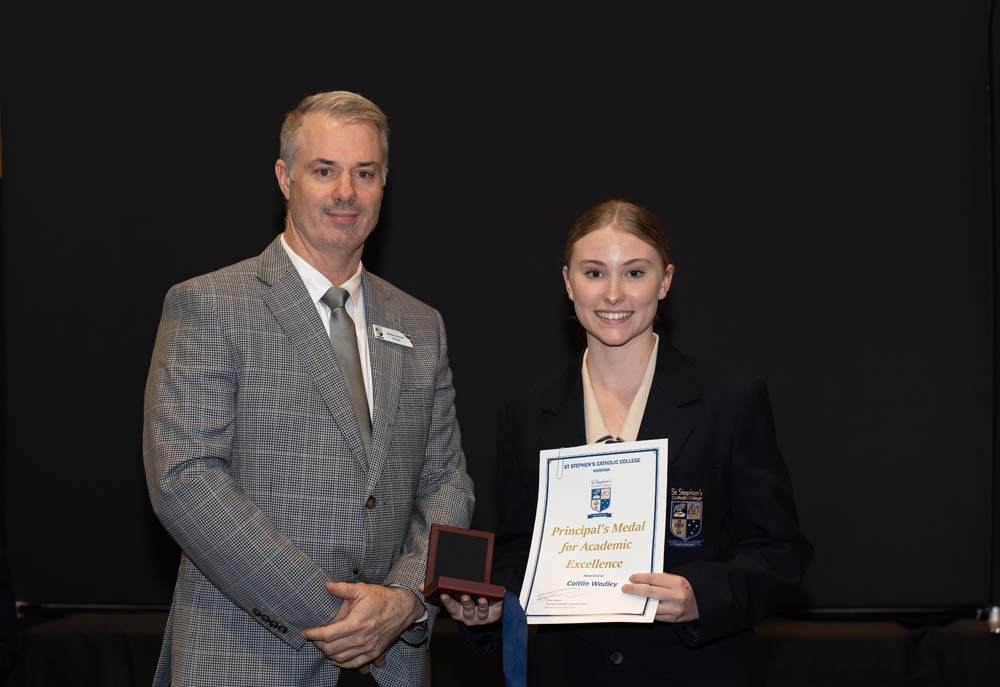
723, 457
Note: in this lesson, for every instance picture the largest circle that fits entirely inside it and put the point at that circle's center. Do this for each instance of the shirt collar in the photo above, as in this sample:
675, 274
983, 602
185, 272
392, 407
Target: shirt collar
594, 424
316, 284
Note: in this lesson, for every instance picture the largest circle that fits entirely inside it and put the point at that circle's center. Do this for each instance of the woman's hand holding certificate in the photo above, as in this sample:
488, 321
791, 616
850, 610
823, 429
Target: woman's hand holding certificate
676, 598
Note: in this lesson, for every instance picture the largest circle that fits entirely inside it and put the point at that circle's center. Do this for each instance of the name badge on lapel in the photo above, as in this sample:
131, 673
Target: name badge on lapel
392, 336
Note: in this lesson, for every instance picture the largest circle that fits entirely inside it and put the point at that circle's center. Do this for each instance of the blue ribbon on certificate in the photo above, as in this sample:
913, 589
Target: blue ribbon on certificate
515, 642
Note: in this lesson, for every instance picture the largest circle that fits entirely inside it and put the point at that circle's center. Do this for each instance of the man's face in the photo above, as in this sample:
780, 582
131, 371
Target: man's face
334, 188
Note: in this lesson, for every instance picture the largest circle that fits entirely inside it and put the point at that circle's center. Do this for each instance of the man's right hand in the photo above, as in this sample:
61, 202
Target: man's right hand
370, 619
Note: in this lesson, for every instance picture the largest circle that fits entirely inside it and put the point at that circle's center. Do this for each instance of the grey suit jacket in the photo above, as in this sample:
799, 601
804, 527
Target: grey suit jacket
255, 465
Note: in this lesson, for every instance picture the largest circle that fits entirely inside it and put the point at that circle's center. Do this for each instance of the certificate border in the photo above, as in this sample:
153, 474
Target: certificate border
656, 526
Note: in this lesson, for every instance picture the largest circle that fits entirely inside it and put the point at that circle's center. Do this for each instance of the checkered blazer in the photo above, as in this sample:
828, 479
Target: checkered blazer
255, 465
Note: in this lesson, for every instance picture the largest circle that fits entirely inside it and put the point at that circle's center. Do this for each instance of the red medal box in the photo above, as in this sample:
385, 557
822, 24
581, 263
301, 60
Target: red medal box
459, 562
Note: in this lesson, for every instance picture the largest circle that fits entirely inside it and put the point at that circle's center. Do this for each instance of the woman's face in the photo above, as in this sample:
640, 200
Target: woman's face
615, 280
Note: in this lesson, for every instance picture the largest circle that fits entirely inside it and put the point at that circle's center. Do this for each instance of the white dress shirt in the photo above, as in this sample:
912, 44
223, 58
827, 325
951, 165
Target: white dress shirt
317, 285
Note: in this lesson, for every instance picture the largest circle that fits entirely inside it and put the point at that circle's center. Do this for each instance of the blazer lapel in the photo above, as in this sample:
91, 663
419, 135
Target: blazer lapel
563, 422
671, 409
290, 304
387, 373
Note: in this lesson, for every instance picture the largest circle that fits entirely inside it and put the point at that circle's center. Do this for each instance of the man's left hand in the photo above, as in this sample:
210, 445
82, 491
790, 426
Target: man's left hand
375, 618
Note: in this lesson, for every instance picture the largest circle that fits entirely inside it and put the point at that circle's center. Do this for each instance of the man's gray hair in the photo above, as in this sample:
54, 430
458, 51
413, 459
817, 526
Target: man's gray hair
341, 106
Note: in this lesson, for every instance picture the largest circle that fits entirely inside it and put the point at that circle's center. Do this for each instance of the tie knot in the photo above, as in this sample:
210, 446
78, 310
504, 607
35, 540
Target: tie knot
335, 297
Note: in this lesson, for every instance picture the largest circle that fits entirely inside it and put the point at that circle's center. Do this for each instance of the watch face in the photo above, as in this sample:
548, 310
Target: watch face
416, 634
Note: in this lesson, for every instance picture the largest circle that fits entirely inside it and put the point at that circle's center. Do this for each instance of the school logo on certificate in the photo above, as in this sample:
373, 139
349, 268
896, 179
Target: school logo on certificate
600, 500
685, 522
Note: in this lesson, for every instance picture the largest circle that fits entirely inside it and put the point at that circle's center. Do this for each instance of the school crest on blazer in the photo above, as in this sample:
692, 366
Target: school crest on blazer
686, 513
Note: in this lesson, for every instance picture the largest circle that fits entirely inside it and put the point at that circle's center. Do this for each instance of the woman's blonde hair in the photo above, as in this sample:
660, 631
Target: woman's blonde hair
620, 214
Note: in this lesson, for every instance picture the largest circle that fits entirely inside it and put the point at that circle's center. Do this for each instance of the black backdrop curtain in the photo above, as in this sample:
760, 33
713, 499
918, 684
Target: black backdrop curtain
823, 172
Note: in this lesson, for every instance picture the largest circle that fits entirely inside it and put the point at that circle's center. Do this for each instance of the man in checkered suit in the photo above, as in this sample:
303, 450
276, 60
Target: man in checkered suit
303, 520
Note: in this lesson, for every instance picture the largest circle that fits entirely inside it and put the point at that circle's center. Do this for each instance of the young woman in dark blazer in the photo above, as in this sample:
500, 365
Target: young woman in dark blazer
732, 537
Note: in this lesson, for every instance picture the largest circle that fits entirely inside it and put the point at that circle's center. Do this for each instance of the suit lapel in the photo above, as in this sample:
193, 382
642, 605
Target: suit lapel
671, 408
387, 372
290, 304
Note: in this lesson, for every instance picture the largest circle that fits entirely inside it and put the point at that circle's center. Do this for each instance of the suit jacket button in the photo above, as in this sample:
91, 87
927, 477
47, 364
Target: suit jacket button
616, 657
283, 629
370, 503
256, 612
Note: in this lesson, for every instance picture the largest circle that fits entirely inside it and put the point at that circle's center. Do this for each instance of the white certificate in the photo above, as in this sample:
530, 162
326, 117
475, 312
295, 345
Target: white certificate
600, 518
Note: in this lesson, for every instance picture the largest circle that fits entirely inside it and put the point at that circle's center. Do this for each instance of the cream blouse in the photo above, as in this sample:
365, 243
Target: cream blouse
594, 421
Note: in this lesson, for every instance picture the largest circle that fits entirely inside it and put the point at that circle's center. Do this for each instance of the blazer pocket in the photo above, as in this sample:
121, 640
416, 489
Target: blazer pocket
413, 397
